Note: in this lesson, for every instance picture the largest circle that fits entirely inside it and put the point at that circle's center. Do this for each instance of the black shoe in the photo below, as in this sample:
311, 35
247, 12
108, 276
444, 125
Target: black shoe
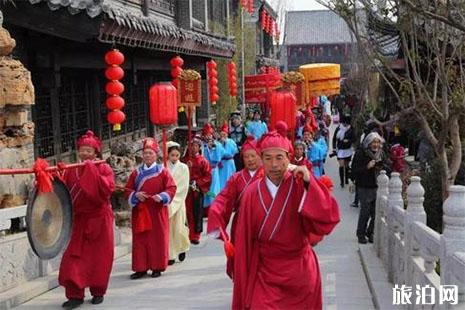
138, 275
72, 303
97, 300
156, 274
342, 185
354, 205
171, 262
370, 238
362, 240
182, 257
195, 242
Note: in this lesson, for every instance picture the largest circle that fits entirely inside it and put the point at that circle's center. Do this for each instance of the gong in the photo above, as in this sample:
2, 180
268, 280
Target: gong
49, 220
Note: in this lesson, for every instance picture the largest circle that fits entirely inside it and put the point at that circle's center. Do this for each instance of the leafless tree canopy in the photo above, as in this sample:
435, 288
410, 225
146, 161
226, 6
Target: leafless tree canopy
427, 37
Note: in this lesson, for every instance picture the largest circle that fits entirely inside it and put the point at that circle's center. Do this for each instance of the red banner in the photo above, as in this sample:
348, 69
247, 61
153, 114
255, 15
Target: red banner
189, 93
257, 86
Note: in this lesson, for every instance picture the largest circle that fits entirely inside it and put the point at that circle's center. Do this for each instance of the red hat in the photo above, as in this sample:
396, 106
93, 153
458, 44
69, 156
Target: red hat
90, 139
273, 140
249, 144
281, 128
207, 129
150, 143
225, 128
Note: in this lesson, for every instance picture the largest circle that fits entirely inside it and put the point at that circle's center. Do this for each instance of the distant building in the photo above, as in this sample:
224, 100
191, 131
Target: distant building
316, 37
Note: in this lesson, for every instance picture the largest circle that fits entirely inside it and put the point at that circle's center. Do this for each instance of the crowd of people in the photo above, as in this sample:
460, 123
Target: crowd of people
271, 179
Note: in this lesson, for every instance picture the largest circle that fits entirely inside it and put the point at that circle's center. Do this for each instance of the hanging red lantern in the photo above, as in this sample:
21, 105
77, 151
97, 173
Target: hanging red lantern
114, 103
250, 8
114, 88
114, 72
244, 3
114, 57
176, 69
232, 79
115, 118
177, 61
283, 108
213, 81
163, 104
163, 101
262, 18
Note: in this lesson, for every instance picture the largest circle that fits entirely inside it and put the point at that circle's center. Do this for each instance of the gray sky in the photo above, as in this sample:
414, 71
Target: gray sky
301, 5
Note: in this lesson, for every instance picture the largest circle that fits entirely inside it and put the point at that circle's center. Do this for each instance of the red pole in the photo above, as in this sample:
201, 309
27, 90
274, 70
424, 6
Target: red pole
165, 151
48, 169
189, 129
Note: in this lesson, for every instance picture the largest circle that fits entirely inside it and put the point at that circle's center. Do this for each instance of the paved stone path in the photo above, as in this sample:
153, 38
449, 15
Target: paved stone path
200, 282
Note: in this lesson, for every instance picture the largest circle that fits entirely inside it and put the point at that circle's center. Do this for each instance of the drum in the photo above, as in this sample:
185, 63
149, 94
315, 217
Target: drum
49, 220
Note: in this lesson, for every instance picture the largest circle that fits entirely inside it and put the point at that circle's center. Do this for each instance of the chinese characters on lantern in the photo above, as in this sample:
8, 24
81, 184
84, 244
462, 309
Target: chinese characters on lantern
189, 89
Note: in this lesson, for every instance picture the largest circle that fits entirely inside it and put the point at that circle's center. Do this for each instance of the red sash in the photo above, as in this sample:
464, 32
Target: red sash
142, 218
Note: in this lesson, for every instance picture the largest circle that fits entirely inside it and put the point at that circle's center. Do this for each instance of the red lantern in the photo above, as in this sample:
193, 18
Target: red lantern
212, 81
116, 117
175, 72
115, 103
114, 57
177, 62
114, 73
215, 97
283, 108
114, 88
250, 7
244, 3
163, 104
262, 18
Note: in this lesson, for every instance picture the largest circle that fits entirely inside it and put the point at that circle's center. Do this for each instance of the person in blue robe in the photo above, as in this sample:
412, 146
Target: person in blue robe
257, 128
227, 165
212, 150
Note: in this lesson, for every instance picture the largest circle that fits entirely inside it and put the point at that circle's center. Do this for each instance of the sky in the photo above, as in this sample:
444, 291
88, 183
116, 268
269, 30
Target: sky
301, 5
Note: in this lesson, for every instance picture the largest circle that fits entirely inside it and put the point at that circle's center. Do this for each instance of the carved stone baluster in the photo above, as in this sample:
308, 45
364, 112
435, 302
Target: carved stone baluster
383, 190
453, 236
415, 213
395, 199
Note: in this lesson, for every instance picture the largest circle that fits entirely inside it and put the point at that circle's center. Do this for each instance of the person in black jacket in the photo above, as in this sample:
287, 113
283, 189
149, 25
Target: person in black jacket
238, 135
343, 139
368, 161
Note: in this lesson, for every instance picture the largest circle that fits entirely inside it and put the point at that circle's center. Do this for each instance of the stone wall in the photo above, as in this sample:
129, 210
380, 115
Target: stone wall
16, 128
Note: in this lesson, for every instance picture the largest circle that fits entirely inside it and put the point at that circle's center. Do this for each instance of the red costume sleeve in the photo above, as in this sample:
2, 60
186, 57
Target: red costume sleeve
97, 182
205, 179
319, 209
129, 188
222, 207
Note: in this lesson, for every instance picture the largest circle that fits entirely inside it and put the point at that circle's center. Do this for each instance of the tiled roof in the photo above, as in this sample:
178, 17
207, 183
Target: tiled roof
315, 27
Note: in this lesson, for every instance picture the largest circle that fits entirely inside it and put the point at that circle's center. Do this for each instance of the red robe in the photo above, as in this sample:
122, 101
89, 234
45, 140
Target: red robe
150, 220
274, 265
88, 259
227, 202
200, 172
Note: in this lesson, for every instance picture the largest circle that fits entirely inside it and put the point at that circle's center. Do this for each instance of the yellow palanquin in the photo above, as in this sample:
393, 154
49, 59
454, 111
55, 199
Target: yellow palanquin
321, 79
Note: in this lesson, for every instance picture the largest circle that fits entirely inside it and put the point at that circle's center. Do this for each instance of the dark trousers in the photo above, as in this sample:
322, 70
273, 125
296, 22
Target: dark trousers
366, 218
356, 198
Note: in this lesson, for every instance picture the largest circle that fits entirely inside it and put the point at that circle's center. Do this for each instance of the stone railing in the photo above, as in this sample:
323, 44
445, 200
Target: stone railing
9, 214
410, 250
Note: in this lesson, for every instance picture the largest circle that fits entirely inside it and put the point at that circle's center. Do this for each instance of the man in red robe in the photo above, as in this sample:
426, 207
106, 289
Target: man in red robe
274, 264
200, 174
88, 259
150, 189
228, 199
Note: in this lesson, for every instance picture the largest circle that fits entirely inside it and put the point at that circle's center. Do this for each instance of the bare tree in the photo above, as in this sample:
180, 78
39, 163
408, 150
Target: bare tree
430, 36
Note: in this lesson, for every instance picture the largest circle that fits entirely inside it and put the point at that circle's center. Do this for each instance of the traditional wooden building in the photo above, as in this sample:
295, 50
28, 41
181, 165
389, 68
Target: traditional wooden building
63, 42
319, 36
